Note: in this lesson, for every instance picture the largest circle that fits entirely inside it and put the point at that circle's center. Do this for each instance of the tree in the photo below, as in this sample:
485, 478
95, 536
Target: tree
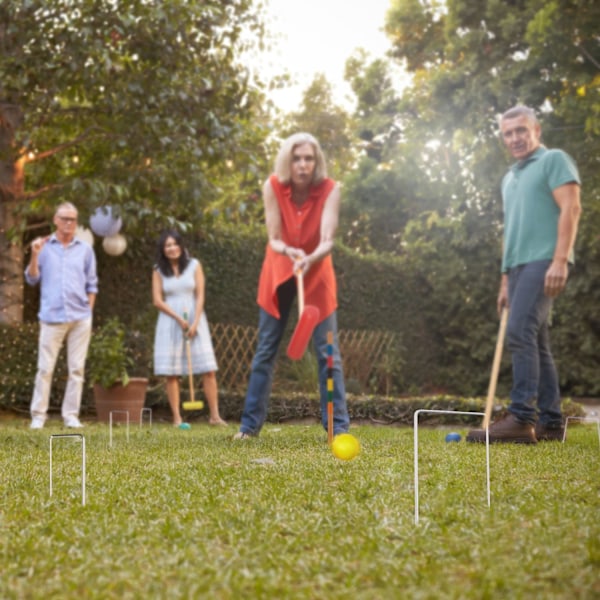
480, 58
329, 123
387, 188
142, 105
471, 60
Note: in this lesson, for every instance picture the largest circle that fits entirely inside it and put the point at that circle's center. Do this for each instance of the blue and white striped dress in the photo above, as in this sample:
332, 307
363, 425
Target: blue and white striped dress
170, 356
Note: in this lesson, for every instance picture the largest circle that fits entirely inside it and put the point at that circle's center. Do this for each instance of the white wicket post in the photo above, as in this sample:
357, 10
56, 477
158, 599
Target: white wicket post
144, 411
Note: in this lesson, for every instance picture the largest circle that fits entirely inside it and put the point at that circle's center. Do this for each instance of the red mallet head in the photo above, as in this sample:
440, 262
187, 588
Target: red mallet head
303, 332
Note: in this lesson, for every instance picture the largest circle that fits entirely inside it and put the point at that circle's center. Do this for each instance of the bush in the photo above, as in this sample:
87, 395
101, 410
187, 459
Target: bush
19, 351
445, 328
109, 359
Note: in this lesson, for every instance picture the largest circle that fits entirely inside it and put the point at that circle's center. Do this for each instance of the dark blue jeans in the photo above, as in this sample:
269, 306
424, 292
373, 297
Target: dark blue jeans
535, 379
270, 332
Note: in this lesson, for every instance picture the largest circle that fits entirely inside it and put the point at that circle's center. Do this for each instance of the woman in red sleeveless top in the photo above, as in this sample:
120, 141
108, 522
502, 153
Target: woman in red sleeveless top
301, 211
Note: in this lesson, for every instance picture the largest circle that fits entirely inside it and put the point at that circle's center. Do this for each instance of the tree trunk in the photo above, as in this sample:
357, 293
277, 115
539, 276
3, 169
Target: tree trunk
11, 193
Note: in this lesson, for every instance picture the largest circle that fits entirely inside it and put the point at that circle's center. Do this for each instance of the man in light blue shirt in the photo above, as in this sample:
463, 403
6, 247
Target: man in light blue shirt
541, 199
65, 268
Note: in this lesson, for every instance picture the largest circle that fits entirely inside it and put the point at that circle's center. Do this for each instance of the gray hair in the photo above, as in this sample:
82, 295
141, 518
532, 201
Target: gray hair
520, 111
67, 206
283, 162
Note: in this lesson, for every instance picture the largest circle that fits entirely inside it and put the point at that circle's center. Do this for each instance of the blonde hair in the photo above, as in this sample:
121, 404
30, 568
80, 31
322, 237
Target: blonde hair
283, 162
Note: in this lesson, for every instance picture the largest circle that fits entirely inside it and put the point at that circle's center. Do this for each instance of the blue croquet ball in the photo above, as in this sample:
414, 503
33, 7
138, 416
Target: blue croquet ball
453, 437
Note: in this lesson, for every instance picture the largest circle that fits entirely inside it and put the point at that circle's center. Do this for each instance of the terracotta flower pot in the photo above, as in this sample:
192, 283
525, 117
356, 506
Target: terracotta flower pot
130, 397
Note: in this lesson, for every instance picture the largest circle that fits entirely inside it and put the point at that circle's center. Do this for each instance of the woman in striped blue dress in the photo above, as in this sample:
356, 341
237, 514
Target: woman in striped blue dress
178, 293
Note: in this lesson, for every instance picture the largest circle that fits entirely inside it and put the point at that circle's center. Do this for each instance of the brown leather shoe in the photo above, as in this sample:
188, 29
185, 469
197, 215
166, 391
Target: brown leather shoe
549, 434
508, 430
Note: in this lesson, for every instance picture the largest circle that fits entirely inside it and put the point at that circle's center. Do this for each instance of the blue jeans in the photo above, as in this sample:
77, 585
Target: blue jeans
528, 339
270, 332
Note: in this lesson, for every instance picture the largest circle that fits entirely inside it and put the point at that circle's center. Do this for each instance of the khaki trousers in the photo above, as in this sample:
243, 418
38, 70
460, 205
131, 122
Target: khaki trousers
52, 336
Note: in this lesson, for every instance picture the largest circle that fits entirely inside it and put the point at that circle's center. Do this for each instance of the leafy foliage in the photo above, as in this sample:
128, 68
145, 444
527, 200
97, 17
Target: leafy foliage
109, 359
144, 106
329, 123
121, 100
443, 317
170, 129
427, 187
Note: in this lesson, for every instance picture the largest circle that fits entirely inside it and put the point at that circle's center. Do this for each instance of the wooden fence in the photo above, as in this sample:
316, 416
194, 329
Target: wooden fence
362, 351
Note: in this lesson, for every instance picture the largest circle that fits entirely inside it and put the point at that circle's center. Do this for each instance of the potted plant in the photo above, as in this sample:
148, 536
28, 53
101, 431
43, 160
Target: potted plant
108, 363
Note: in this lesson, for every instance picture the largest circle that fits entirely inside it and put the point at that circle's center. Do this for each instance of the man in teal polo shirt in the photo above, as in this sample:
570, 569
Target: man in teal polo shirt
541, 198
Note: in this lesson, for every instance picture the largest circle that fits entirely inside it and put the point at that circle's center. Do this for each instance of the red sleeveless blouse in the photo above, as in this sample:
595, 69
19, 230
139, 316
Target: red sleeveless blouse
300, 228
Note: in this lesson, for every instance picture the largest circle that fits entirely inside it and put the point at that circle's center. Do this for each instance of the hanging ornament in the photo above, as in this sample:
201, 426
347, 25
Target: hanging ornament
114, 244
103, 223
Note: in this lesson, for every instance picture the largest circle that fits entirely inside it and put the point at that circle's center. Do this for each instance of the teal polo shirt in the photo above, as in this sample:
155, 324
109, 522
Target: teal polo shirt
530, 211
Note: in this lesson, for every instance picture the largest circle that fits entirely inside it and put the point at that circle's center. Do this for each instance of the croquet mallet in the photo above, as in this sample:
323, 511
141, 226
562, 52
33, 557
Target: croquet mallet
191, 404
330, 387
495, 369
308, 317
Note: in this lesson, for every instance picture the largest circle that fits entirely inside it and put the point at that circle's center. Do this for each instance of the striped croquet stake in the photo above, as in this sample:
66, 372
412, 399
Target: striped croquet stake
330, 387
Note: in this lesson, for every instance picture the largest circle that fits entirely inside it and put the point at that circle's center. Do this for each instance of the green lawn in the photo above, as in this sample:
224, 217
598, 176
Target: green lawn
195, 515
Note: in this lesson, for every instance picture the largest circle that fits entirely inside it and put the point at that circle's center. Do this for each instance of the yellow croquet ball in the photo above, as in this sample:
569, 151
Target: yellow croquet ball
345, 446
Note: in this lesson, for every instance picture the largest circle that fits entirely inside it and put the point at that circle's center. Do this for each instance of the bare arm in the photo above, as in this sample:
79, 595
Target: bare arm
567, 197
273, 221
199, 294
329, 225
502, 300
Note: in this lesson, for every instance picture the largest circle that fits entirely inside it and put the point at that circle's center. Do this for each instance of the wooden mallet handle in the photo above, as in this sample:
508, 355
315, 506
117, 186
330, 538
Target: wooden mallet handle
495, 369
188, 350
300, 283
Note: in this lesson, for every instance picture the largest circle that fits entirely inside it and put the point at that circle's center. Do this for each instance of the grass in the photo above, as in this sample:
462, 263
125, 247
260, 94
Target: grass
195, 515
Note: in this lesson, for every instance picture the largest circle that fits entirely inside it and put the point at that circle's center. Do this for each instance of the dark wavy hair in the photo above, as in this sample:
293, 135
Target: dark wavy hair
163, 264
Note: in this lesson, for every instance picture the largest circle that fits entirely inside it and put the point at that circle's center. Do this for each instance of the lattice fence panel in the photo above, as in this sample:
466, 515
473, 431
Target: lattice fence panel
234, 350
362, 351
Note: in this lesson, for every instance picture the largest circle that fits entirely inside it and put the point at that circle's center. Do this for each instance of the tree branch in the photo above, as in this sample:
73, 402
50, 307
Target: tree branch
80, 138
41, 191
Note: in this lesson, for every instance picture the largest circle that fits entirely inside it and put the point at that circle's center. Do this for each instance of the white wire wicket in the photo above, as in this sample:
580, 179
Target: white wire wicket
585, 419
146, 411
110, 426
416, 452
78, 438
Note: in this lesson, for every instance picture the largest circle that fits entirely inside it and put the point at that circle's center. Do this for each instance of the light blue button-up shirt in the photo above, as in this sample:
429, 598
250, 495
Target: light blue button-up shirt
67, 276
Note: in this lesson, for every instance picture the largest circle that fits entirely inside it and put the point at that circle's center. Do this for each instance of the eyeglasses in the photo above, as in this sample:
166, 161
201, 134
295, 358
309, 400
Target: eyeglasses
68, 219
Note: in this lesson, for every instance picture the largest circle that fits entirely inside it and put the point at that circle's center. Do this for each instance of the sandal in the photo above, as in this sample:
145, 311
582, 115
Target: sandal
242, 435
